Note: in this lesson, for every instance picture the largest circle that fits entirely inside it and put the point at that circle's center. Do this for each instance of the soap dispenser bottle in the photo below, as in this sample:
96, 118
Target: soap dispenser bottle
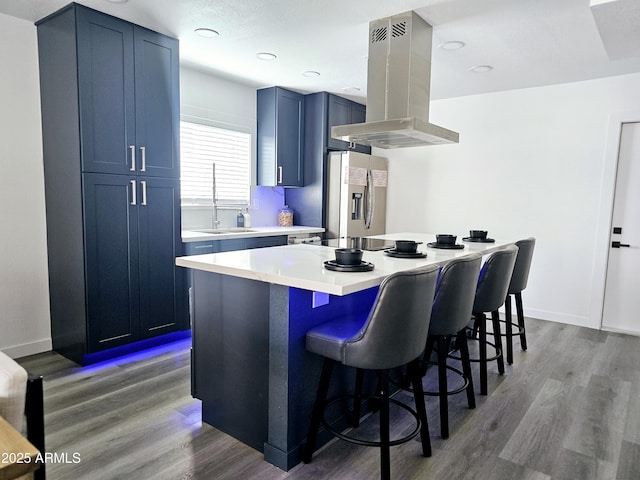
240, 219
247, 218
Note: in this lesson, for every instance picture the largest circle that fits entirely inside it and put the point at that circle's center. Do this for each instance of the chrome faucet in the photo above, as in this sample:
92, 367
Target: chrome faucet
214, 199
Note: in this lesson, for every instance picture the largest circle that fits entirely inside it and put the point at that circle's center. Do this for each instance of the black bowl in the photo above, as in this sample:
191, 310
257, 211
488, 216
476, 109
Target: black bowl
481, 234
446, 239
348, 256
407, 246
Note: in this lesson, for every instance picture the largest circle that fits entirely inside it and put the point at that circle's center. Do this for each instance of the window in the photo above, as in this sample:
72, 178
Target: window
200, 147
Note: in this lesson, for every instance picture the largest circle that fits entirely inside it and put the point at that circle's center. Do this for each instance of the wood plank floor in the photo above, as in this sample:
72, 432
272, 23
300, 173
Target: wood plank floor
568, 408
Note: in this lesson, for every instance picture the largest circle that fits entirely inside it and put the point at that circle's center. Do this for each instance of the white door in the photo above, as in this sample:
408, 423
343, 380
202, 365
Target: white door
622, 291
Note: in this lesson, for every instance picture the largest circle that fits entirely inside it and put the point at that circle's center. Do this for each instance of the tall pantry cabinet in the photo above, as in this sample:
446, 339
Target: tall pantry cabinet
110, 120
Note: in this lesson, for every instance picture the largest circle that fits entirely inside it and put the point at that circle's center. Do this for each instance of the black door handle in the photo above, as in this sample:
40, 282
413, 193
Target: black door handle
616, 244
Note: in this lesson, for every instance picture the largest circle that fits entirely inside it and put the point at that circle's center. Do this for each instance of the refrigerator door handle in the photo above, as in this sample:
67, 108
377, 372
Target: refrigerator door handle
370, 201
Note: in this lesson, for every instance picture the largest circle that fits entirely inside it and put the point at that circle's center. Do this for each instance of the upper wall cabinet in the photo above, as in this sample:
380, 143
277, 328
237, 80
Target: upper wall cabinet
280, 142
342, 111
128, 82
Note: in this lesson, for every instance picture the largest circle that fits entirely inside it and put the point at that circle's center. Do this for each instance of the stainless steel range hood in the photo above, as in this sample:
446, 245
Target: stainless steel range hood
398, 83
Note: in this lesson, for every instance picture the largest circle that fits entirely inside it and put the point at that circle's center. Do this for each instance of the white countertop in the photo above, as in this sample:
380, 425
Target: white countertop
202, 236
302, 265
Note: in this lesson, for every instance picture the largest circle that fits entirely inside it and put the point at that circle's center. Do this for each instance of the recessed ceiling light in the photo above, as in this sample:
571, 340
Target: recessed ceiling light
266, 56
350, 89
206, 32
451, 45
481, 68
311, 73
117, 1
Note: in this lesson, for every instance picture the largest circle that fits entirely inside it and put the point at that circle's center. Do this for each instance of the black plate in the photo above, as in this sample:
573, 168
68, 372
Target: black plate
478, 240
457, 246
336, 267
392, 253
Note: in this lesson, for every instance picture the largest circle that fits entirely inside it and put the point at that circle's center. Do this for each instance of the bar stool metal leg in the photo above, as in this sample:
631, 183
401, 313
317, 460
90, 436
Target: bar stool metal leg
508, 329
385, 454
482, 333
463, 346
418, 395
443, 343
520, 312
495, 319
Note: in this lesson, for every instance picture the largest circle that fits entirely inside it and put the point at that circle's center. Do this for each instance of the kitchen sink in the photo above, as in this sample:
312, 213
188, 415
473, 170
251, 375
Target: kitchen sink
218, 231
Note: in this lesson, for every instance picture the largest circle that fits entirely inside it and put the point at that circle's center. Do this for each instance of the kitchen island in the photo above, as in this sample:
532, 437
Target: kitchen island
252, 309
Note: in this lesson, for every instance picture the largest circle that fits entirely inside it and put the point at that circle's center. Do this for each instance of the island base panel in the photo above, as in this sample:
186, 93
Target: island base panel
252, 372
230, 354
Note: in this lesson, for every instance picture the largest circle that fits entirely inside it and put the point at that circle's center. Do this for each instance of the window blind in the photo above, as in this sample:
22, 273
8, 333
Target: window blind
230, 150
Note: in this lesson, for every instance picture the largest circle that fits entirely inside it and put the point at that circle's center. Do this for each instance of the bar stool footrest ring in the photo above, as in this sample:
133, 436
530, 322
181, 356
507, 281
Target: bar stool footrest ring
516, 329
497, 355
371, 443
454, 391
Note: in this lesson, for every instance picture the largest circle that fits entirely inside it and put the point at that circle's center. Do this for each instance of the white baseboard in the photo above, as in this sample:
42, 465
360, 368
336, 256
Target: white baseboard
26, 349
576, 320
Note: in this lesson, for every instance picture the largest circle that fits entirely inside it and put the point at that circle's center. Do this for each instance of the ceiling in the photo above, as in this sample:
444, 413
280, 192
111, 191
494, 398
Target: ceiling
527, 42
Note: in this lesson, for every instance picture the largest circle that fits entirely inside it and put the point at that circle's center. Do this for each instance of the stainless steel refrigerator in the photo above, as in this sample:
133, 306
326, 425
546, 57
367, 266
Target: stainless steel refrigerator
356, 195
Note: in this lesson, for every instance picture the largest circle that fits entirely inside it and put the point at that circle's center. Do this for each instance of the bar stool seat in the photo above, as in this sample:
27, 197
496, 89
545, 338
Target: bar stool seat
518, 283
450, 314
491, 292
393, 335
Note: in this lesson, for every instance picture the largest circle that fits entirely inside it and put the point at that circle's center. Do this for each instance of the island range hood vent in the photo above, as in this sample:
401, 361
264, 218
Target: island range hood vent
398, 83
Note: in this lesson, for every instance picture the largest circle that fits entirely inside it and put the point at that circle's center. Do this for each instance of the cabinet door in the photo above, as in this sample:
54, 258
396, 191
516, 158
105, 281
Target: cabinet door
106, 91
111, 248
162, 291
339, 113
157, 104
231, 245
197, 248
342, 111
359, 115
289, 138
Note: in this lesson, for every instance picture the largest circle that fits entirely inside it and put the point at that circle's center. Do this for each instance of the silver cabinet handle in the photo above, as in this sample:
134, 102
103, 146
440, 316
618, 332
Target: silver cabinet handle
144, 192
133, 192
279, 174
143, 152
133, 158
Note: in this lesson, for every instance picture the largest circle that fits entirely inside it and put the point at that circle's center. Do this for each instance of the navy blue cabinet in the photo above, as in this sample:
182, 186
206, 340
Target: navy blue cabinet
128, 83
280, 142
215, 246
110, 122
342, 111
111, 247
322, 111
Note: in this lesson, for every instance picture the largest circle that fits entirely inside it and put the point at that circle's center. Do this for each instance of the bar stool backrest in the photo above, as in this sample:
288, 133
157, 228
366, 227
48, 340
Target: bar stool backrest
396, 330
495, 276
522, 266
455, 295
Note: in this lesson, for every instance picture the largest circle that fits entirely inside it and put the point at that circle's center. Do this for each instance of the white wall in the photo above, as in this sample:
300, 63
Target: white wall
530, 162
24, 297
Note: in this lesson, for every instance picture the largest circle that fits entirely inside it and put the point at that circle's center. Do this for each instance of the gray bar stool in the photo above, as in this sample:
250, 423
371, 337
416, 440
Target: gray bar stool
393, 335
451, 311
491, 292
518, 284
